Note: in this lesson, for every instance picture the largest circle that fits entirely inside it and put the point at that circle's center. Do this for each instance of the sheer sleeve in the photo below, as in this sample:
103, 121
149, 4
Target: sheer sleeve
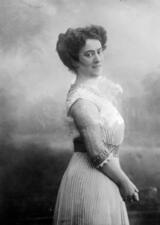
88, 122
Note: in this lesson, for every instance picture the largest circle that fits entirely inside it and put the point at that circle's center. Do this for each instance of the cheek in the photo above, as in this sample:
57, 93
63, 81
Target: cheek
86, 62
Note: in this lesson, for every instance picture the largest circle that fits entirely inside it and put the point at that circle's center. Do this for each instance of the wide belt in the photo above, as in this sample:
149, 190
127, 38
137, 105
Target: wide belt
79, 146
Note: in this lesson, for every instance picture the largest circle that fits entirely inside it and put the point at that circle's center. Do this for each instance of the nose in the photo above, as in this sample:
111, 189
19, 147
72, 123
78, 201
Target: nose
97, 58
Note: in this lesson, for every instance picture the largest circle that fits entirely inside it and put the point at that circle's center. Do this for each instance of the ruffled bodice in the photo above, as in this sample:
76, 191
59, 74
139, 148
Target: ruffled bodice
111, 120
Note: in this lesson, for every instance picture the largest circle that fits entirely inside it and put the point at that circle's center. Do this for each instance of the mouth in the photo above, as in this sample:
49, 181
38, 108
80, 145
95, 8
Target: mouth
97, 66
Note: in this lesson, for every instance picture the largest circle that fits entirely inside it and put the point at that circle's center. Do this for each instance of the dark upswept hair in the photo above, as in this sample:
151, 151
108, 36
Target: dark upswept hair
71, 42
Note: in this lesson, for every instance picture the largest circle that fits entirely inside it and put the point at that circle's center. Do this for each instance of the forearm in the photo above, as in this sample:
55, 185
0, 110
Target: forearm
113, 170
96, 149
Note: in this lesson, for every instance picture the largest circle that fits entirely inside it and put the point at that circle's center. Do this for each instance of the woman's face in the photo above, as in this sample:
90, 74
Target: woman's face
91, 58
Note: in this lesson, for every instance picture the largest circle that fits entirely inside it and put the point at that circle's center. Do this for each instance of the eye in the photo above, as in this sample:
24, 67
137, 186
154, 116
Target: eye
89, 54
99, 51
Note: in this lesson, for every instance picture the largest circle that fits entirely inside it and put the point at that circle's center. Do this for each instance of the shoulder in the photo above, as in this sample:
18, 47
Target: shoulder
85, 112
75, 95
84, 107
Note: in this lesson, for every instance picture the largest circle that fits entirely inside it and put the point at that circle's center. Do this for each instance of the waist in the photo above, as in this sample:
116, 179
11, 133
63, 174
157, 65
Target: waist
79, 146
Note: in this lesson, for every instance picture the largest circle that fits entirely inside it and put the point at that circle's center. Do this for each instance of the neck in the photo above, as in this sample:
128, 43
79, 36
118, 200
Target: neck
91, 81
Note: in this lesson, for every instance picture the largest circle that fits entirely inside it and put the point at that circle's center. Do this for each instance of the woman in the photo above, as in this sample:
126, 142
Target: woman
94, 186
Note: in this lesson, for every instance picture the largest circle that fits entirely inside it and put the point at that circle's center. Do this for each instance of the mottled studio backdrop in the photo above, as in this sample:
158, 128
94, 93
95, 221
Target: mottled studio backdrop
34, 143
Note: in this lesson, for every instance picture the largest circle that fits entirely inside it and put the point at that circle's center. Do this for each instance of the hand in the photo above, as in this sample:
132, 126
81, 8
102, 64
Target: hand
129, 191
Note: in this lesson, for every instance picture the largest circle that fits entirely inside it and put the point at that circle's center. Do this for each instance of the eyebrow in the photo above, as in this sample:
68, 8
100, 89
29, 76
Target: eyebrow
91, 50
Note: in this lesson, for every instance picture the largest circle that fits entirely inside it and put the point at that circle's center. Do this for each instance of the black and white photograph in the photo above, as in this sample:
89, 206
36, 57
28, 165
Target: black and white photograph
79, 112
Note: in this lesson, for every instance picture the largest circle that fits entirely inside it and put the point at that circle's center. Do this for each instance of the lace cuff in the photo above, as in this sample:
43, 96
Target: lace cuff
100, 158
105, 156
105, 161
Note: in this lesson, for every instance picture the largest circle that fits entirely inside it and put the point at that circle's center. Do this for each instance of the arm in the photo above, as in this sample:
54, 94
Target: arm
87, 120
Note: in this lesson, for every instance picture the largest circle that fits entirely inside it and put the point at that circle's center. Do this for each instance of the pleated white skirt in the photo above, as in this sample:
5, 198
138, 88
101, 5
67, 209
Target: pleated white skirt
88, 197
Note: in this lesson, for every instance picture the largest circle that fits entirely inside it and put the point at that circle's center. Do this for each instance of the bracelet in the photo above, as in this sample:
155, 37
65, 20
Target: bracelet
97, 160
105, 156
105, 161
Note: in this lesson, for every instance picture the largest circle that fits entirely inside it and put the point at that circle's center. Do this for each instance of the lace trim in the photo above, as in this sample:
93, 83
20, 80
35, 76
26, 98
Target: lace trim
106, 161
98, 159
105, 156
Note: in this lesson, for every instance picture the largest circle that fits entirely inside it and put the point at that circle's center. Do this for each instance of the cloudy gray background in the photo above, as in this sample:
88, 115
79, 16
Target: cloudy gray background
33, 81
32, 77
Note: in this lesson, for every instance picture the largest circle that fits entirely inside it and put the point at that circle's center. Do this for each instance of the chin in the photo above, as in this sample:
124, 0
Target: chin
97, 73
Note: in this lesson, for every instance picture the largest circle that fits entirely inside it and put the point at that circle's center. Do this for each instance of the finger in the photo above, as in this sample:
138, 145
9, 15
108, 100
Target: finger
136, 189
136, 197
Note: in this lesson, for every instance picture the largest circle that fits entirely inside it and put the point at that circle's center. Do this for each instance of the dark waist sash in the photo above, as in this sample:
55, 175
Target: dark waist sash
79, 146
